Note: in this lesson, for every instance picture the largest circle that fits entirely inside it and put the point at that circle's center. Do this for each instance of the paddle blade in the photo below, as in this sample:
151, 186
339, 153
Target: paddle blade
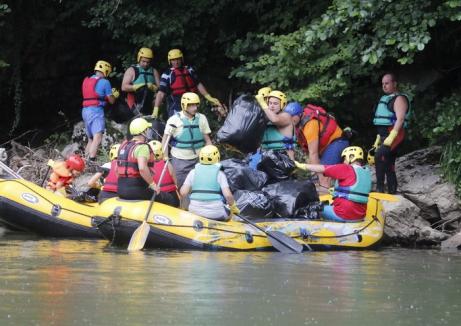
139, 237
284, 243
381, 196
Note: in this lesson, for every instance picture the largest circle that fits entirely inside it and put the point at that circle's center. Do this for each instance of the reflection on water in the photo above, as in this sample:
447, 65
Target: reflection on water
62, 282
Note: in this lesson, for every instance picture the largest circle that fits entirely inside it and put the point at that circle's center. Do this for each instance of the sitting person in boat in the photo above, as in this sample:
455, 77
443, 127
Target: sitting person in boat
106, 180
168, 189
64, 173
207, 186
352, 185
135, 179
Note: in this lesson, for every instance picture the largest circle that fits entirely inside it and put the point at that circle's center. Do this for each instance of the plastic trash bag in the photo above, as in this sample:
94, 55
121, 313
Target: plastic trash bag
241, 177
290, 195
244, 125
253, 204
277, 165
310, 212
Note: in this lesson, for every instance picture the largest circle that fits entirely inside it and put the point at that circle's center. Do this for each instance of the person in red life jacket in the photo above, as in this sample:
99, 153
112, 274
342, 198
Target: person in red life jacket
208, 186
64, 172
280, 132
320, 136
179, 79
108, 186
97, 92
168, 190
189, 132
140, 82
392, 115
135, 179
352, 186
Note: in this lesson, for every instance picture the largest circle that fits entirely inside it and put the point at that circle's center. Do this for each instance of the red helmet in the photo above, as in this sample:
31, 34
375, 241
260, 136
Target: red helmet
75, 162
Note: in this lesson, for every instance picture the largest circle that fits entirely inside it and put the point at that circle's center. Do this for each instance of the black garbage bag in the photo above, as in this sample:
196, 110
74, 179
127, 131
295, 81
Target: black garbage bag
244, 125
277, 165
253, 204
241, 177
153, 133
290, 195
120, 112
311, 211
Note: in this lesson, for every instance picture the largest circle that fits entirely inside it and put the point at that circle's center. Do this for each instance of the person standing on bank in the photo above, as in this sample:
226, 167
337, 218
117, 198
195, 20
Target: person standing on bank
176, 81
97, 92
189, 132
140, 82
391, 118
135, 180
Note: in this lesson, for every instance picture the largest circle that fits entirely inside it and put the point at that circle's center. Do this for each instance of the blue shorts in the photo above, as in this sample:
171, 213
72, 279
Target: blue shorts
94, 120
332, 154
329, 214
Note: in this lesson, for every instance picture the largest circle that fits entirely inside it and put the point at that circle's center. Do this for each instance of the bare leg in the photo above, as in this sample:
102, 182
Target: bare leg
93, 147
88, 146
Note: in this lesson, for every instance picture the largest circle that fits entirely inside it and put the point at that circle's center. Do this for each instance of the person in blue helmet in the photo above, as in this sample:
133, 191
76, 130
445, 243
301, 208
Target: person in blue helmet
294, 109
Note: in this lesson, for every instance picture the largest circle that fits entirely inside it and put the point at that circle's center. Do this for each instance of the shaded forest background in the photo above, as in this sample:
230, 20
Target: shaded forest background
326, 52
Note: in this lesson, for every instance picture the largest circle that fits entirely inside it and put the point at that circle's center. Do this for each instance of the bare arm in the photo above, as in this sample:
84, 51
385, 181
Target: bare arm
172, 173
93, 182
319, 168
156, 77
159, 98
207, 139
144, 170
228, 195
282, 119
314, 157
185, 190
400, 108
201, 88
128, 78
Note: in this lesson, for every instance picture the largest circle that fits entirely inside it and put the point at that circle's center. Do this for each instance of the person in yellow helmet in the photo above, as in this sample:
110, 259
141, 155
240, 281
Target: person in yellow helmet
176, 81
208, 186
140, 82
97, 92
189, 131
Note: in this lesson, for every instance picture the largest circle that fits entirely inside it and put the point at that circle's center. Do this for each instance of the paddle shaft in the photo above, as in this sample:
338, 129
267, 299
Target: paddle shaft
10, 171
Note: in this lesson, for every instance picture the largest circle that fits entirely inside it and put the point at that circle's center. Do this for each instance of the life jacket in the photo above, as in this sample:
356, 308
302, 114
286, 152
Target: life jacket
141, 76
127, 164
181, 81
359, 191
273, 139
190, 136
110, 182
90, 96
205, 186
61, 173
328, 122
167, 184
384, 112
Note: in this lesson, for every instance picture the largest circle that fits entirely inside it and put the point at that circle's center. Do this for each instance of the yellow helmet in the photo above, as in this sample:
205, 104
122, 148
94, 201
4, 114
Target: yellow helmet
351, 154
209, 155
145, 53
113, 153
138, 126
264, 91
104, 67
281, 96
189, 98
174, 54
156, 148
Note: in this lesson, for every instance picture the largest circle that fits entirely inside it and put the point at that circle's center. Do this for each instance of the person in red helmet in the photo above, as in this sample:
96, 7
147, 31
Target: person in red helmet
64, 172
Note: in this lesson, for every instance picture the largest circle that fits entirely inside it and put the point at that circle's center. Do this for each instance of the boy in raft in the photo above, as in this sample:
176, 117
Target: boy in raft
168, 189
352, 185
109, 173
64, 172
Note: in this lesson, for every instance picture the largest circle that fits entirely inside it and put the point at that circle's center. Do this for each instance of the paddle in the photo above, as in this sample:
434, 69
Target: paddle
279, 240
139, 237
10, 171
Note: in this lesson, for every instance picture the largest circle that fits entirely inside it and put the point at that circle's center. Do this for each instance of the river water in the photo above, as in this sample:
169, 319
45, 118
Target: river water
81, 282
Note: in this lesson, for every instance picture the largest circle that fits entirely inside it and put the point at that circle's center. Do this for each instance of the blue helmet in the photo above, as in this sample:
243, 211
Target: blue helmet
294, 108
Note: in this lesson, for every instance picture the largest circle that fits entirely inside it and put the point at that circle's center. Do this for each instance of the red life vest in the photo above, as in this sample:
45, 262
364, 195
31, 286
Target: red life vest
90, 97
183, 81
167, 184
127, 164
328, 122
110, 182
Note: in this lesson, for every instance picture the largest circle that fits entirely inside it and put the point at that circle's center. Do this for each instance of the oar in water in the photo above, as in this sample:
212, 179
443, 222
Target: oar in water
139, 237
279, 240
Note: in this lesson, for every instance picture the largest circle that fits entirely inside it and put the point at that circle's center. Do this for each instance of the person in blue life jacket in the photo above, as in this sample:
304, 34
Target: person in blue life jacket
352, 186
391, 118
97, 92
208, 187
188, 131
140, 82
176, 81
134, 162
280, 133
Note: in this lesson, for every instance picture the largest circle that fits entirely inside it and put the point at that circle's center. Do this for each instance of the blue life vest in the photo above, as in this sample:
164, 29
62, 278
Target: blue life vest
190, 136
205, 186
143, 76
385, 114
273, 139
359, 191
